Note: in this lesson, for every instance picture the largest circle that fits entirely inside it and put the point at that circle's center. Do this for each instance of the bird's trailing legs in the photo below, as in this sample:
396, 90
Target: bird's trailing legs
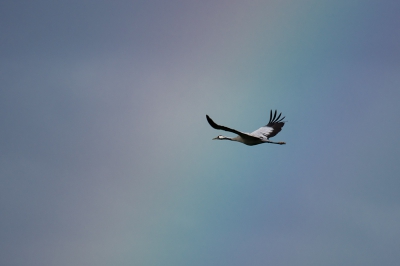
279, 142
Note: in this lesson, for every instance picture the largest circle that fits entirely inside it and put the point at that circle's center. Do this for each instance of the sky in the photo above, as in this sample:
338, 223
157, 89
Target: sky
106, 157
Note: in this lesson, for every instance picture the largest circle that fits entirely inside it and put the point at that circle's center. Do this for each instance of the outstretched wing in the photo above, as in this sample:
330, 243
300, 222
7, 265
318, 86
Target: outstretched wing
273, 127
216, 126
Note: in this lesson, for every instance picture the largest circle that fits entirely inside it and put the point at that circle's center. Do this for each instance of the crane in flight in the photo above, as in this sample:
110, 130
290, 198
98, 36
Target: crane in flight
259, 136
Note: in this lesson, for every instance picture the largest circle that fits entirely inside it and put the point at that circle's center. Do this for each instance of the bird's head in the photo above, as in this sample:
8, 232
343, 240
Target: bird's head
220, 137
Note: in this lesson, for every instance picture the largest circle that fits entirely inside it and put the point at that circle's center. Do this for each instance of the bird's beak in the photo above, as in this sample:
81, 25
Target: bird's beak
215, 138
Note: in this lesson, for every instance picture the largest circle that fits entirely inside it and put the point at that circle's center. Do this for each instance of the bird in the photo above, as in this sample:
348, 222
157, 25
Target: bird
259, 136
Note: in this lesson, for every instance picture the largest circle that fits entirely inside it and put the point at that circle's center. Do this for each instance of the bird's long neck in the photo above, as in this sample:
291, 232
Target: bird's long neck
228, 138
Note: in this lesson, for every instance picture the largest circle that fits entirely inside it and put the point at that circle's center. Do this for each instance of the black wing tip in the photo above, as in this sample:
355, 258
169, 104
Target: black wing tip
211, 122
270, 116
275, 119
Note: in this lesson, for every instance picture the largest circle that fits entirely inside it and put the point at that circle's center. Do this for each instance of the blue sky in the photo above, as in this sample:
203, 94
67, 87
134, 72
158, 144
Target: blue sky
106, 157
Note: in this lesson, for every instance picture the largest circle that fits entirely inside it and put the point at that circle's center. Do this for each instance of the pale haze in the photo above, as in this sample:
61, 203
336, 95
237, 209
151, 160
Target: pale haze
106, 156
